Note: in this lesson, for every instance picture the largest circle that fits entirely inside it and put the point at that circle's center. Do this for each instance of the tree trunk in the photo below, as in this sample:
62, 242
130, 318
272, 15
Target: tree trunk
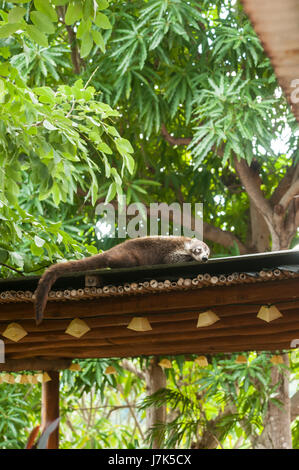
260, 236
277, 423
155, 379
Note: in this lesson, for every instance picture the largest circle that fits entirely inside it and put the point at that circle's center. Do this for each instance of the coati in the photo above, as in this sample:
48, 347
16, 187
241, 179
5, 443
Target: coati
135, 252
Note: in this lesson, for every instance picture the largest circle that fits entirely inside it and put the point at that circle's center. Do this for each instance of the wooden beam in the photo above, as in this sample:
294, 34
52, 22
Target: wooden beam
236, 313
173, 317
227, 330
171, 350
50, 407
247, 324
146, 340
12, 365
168, 345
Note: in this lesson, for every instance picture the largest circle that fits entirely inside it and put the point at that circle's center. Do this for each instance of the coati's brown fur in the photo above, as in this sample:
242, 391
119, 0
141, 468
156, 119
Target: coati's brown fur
136, 252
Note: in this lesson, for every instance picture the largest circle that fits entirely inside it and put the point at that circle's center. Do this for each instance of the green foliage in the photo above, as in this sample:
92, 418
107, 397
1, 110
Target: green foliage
62, 139
95, 407
43, 61
200, 71
40, 23
18, 407
226, 399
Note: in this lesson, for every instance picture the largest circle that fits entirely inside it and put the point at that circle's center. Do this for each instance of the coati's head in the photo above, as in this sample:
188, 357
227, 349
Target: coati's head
199, 250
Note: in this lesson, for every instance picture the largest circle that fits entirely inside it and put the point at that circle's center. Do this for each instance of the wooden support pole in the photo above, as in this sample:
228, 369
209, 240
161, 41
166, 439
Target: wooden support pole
50, 407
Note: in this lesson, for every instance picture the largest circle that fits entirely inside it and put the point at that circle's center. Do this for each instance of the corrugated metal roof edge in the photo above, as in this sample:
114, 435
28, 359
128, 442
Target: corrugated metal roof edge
250, 263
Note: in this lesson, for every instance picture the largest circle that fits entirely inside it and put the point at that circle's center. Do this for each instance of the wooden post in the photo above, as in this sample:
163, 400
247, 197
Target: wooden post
50, 407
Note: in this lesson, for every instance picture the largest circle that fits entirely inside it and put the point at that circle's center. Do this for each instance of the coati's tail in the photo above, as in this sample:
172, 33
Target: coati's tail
42, 291
57, 270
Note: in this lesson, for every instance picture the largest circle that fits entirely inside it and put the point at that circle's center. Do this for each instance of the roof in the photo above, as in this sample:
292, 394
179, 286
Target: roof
277, 24
171, 297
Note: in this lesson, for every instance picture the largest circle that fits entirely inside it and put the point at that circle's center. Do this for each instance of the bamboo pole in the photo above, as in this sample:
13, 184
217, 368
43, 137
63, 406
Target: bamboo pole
181, 300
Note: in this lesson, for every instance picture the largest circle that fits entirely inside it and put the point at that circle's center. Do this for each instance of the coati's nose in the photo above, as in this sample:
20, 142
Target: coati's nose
204, 259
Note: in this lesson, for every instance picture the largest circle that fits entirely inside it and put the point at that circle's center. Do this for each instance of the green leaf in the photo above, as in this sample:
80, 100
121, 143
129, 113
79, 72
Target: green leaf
56, 194
104, 148
102, 21
45, 7
111, 192
3, 255
42, 22
39, 241
86, 44
17, 259
98, 39
9, 29
16, 14
37, 36
49, 126
74, 12
112, 131
60, 2
5, 53
130, 164
88, 9
83, 27
123, 145
102, 4
46, 94
3, 90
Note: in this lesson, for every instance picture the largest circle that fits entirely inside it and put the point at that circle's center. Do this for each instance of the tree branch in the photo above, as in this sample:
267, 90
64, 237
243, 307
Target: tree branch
131, 368
291, 192
131, 409
173, 140
249, 181
76, 59
13, 269
226, 239
283, 185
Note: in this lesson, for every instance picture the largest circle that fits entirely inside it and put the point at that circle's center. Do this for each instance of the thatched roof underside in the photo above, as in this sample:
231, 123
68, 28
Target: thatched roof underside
277, 24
